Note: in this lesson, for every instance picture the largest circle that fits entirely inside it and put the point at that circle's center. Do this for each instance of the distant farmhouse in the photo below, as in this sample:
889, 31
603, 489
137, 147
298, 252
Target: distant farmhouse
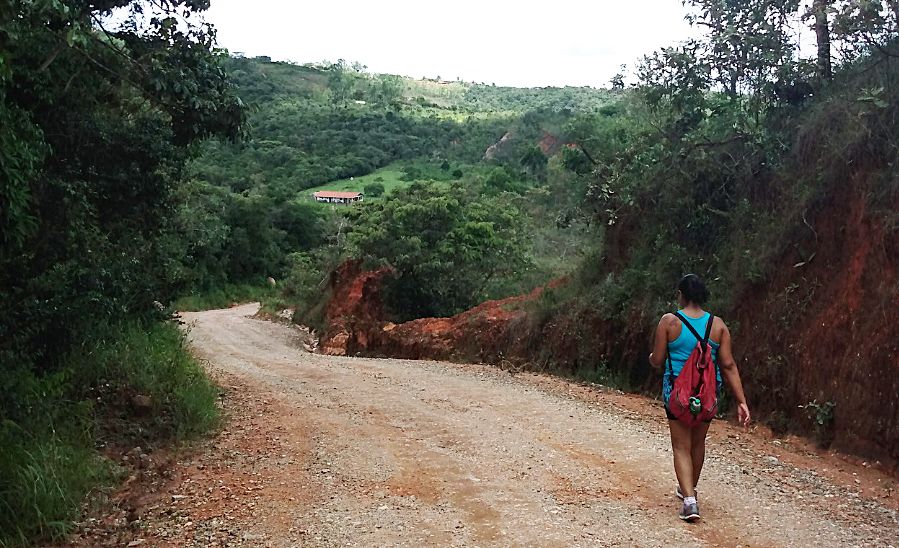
333, 197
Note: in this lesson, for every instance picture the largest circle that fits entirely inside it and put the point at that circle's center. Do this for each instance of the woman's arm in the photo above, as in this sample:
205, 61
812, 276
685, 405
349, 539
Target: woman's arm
731, 375
660, 343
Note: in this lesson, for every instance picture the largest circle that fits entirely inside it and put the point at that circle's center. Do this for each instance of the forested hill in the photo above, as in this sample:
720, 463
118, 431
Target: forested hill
311, 125
249, 208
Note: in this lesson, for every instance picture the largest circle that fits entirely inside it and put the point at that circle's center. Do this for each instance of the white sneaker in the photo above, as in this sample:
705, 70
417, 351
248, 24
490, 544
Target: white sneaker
689, 512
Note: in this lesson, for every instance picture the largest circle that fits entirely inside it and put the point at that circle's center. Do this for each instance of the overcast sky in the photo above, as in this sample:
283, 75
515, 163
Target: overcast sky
516, 43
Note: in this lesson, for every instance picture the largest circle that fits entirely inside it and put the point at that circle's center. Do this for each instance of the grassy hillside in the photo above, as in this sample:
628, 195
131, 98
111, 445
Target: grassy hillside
391, 177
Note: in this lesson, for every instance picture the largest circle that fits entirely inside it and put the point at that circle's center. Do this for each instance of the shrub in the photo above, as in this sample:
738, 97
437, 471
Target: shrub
822, 416
306, 289
373, 190
455, 250
411, 173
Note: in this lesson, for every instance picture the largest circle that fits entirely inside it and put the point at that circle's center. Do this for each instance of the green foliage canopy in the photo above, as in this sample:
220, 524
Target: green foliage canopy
445, 248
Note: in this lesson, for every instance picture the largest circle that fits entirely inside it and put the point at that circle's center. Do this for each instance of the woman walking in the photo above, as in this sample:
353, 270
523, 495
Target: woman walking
676, 337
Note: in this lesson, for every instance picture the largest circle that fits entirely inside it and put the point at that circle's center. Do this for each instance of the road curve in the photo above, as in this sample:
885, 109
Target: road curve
383, 452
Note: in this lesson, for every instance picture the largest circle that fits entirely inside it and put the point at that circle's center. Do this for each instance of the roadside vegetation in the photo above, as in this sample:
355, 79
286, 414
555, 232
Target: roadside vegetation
96, 128
705, 166
225, 296
133, 385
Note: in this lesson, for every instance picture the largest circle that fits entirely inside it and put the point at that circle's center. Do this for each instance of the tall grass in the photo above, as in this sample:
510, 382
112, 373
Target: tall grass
45, 477
52, 424
153, 362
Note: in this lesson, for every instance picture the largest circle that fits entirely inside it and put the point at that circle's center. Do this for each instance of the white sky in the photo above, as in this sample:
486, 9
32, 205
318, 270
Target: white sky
523, 43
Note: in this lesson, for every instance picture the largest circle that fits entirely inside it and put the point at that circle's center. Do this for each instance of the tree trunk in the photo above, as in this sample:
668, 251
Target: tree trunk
822, 32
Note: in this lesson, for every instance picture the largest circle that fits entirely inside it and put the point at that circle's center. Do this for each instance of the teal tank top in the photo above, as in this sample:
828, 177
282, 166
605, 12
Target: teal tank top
679, 351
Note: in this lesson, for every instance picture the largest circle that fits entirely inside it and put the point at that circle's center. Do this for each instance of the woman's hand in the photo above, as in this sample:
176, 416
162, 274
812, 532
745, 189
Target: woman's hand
743, 416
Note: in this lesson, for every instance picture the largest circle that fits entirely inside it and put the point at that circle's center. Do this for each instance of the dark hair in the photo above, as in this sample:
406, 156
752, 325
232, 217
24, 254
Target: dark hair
693, 289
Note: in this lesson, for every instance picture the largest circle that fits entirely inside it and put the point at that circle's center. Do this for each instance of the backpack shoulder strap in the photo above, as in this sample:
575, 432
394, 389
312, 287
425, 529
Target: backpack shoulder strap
708, 328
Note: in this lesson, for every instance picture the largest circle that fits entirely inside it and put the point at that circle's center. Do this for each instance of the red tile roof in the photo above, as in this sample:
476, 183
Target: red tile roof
334, 194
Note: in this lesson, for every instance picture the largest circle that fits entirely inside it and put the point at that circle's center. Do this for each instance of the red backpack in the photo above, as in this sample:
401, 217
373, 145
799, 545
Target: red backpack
694, 396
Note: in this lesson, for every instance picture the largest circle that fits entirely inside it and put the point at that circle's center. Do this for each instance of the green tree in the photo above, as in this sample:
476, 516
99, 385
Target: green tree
499, 180
575, 160
746, 43
534, 162
445, 250
373, 190
819, 12
864, 26
341, 82
389, 90
100, 123
617, 81
411, 173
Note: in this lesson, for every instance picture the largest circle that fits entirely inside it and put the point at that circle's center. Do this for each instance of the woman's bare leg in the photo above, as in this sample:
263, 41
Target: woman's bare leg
681, 446
697, 449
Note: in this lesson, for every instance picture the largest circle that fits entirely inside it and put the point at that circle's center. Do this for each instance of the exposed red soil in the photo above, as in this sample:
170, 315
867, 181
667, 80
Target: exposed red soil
551, 144
252, 472
827, 330
471, 334
355, 310
356, 324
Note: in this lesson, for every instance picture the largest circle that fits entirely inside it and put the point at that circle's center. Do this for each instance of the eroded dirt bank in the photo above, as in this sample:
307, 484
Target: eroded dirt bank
336, 451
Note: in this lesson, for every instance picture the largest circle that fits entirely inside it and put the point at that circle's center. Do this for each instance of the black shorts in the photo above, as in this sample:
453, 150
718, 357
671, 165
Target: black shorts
673, 418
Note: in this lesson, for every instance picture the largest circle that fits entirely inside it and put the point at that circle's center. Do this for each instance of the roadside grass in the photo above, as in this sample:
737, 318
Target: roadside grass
223, 297
600, 373
46, 474
151, 361
52, 424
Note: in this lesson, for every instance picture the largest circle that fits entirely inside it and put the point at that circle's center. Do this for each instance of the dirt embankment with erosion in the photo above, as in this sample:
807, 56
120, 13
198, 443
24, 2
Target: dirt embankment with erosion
321, 450
822, 330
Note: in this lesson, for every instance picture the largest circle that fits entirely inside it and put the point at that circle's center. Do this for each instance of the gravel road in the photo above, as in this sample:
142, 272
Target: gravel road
331, 451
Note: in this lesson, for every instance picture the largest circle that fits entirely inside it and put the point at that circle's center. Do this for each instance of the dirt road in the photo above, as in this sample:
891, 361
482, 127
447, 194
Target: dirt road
325, 451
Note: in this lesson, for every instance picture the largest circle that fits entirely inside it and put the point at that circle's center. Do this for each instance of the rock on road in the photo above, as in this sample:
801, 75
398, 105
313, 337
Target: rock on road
334, 451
